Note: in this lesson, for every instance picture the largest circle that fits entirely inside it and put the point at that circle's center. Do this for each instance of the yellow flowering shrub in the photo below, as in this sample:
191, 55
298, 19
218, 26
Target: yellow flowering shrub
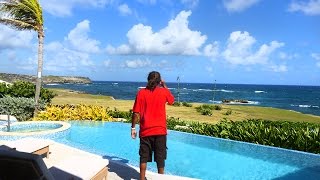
74, 112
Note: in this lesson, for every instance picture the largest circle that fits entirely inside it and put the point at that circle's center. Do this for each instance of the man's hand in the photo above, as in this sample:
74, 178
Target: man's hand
163, 83
133, 133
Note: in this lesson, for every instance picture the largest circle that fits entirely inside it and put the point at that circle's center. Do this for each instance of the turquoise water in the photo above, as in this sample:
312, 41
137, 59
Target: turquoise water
197, 156
31, 127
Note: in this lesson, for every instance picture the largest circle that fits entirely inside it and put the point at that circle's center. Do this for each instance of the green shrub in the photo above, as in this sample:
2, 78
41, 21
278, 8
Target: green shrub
121, 114
26, 90
3, 89
217, 107
186, 104
300, 136
173, 122
21, 108
176, 104
22, 89
229, 112
205, 109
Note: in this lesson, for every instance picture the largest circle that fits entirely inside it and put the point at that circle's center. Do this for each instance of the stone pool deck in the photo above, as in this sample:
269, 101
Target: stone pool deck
117, 170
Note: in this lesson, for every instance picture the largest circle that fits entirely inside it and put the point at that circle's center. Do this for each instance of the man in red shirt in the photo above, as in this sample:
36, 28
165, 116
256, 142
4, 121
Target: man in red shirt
150, 107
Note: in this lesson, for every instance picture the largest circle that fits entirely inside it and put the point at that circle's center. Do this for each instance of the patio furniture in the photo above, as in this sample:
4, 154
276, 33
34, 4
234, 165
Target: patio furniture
31, 145
21, 165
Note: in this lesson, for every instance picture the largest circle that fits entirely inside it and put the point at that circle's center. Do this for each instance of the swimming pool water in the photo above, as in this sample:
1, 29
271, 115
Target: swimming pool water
31, 127
197, 156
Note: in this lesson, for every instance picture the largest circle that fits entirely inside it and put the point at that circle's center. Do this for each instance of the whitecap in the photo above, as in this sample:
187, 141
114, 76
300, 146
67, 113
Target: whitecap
227, 91
53, 84
215, 102
304, 106
259, 91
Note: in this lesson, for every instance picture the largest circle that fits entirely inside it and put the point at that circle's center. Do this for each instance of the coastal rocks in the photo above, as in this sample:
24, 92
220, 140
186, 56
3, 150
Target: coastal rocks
45, 79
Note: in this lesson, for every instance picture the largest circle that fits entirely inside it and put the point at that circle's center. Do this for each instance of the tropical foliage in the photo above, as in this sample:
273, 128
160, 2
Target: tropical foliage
74, 112
26, 15
25, 89
20, 107
300, 136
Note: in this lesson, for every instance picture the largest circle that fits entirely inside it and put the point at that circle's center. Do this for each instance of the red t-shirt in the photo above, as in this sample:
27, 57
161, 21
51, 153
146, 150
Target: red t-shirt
151, 105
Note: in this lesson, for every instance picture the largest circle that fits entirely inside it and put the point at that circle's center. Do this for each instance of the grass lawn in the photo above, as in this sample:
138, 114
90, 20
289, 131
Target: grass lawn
239, 112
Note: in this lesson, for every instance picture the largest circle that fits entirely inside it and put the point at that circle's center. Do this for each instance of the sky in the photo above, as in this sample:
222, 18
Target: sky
202, 41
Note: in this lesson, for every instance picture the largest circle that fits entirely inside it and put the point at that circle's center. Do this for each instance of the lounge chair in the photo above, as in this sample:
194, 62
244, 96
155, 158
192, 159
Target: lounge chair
21, 165
31, 145
77, 165
80, 167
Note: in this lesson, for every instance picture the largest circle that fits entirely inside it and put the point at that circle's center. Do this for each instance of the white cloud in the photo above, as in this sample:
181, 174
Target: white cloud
240, 51
137, 63
78, 37
29, 64
124, 10
286, 56
60, 58
238, 5
107, 63
152, 2
279, 68
209, 69
316, 56
312, 7
190, 3
64, 7
211, 50
12, 39
175, 39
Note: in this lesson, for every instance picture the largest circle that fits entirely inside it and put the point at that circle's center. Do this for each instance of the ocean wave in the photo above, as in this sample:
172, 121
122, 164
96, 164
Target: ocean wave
249, 102
304, 106
210, 90
227, 91
215, 102
52, 84
260, 92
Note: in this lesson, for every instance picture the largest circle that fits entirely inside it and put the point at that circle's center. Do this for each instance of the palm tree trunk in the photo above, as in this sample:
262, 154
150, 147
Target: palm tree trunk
39, 74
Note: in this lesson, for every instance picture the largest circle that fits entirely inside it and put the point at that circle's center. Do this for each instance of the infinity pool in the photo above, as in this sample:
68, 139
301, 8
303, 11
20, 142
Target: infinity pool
197, 156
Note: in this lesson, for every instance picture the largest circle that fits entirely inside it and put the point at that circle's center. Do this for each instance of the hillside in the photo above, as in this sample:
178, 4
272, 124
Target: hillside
45, 79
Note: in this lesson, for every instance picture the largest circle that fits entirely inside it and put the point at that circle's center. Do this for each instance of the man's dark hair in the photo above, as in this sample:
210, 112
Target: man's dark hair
154, 80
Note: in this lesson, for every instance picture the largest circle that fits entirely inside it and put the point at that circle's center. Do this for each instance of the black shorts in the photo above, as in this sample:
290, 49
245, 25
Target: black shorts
156, 144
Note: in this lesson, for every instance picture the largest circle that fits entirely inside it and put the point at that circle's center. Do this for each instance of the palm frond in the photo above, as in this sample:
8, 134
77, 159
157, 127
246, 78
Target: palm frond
27, 11
16, 24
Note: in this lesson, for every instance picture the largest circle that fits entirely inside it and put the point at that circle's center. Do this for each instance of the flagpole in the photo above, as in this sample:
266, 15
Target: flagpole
214, 91
178, 79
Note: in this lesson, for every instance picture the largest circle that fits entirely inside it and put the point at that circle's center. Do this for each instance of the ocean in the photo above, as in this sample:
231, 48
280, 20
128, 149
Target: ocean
304, 99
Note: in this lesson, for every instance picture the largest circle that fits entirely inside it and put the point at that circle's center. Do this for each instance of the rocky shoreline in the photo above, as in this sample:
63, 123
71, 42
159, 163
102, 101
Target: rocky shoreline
45, 79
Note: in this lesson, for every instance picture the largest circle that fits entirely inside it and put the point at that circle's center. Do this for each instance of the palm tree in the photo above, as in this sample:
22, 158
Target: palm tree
26, 15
